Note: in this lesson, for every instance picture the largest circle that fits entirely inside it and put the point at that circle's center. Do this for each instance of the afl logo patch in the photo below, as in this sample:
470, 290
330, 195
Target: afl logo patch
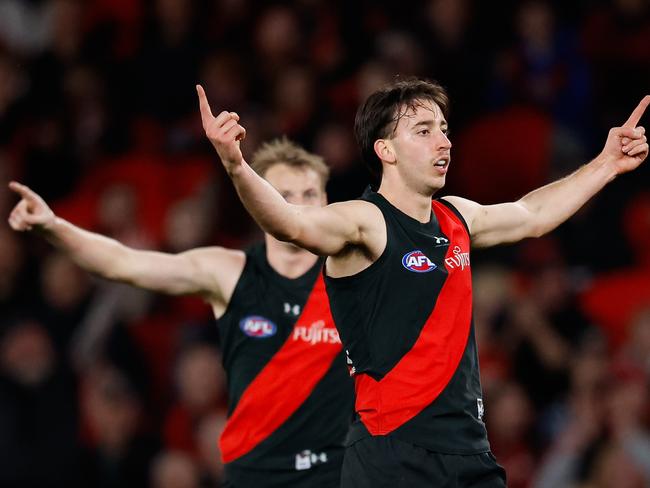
258, 327
417, 262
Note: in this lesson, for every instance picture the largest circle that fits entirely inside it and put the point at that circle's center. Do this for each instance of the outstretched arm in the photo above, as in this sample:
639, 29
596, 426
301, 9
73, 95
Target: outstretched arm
209, 272
542, 210
321, 230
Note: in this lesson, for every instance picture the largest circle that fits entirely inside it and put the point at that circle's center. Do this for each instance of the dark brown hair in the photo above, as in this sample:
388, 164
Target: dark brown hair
377, 118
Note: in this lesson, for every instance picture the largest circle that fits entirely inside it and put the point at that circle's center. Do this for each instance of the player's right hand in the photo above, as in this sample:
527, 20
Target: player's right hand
223, 131
31, 213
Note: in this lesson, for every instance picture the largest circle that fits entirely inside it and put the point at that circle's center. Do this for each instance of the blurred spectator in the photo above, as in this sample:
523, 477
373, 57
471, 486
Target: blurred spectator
65, 291
119, 452
543, 325
12, 260
293, 102
173, 469
187, 225
38, 416
335, 144
171, 52
277, 39
509, 422
224, 79
636, 226
493, 291
543, 66
456, 55
401, 52
25, 26
200, 386
502, 155
98, 113
209, 455
85, 90
118, 216
634, 355
12, 91
613, 299
576, 425
618, 75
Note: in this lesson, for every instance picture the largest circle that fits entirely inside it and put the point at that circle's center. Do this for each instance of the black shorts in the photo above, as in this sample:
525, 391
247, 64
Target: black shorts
322, 476
383, 461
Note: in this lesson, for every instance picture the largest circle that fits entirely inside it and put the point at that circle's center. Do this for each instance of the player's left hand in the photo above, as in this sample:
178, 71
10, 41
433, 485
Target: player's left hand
627, 146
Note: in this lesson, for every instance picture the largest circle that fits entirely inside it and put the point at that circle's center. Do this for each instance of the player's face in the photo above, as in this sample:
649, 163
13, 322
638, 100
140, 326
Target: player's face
297, 185
421, 147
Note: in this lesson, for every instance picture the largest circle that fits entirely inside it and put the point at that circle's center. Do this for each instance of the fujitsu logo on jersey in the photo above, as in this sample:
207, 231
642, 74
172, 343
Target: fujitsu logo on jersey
417, 262
257, 327
316, 333
458, 260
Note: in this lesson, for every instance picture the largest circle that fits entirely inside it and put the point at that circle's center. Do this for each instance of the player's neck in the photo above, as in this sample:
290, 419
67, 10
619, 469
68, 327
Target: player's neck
287, 259
413, 204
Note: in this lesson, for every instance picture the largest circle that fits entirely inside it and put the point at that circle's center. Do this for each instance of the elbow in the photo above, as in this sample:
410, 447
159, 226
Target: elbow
122, 266
538, 231
539, 227
293, 233
113, 273
302, 240
285, 235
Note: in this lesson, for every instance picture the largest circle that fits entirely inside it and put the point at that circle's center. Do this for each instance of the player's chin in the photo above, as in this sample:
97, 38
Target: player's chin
438, 182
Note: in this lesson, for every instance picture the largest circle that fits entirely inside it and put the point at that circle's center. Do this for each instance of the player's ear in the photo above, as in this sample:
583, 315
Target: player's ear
384, 150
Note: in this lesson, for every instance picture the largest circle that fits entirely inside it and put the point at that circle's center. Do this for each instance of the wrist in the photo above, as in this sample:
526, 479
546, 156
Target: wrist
605, 166
236, 170
50, 227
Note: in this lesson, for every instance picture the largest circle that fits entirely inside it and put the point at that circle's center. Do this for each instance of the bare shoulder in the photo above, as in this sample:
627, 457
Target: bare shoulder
467, 208
367, 220
364, 214
370, 239
219, 269
215, 256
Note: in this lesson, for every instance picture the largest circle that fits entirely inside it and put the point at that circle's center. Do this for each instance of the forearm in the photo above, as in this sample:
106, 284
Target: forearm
554, 203
93, 252
269, 209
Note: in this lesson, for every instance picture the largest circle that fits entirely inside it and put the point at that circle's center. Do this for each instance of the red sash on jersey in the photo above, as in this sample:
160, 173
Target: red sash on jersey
283, 384
423, 372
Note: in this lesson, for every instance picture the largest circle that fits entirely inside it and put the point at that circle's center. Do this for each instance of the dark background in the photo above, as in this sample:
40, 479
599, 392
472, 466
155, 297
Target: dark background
101, 385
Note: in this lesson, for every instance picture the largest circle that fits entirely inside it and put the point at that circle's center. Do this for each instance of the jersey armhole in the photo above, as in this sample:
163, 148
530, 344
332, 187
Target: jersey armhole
375, 265
455, 211
239, 286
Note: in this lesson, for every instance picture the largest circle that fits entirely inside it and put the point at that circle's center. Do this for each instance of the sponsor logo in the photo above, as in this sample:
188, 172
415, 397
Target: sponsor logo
417, 262
257, 327
479, 407
441, 241
351, 369
291, 309
316, 333
458, 260
306, 459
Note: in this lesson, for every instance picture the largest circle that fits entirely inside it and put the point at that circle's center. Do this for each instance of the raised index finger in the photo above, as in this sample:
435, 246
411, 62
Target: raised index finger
23, 191
638, 113
204, 106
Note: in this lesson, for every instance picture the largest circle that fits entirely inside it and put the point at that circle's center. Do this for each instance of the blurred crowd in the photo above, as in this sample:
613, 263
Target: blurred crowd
106, 386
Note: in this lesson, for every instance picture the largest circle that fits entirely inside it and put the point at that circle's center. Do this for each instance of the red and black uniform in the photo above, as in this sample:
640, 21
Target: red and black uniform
406, 324
290, 396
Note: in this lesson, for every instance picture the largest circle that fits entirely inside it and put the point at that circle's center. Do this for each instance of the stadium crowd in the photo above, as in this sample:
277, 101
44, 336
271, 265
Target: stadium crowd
103, 385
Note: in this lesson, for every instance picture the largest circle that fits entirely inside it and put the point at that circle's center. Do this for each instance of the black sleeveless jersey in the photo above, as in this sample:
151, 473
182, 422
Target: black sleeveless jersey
290, 395
406, 324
